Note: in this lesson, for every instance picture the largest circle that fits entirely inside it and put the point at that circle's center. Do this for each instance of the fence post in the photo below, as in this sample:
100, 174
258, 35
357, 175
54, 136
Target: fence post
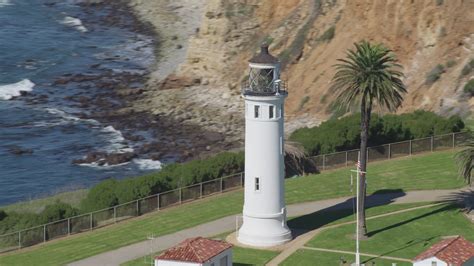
90, 217
241, 179
346, 158
454, 140
409, 148
44, 233
68, 226
222, 183
432, 142
115, 214
200, 189
138, 208
19, 239
180, 197
389, 150
324, 162
158, 201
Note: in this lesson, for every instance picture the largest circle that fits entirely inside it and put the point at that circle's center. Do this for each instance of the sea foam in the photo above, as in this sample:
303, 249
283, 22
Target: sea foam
74, 22
5, 3
148, 164
116, 140
12, 90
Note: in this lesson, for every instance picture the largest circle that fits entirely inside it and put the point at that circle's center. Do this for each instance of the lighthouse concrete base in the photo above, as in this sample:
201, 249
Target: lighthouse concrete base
264, 230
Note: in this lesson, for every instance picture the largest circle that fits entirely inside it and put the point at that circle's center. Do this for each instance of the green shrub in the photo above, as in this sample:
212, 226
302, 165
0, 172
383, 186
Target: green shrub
434, 74
469, 87
57, 211
111, 192
450, 63
439, 2
343, 134
467, 68
101, 196
303, 101
328, 34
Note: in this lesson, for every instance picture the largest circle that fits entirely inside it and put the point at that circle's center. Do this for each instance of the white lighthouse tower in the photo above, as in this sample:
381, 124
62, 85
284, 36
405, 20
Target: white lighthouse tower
264, 212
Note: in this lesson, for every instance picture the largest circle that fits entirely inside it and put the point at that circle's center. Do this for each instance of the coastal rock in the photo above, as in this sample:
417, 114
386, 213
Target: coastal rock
103, 158
17, 150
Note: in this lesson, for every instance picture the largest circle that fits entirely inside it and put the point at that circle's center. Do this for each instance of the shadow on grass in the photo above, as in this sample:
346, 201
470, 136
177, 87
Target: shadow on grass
426, 242
442, 209
344, 209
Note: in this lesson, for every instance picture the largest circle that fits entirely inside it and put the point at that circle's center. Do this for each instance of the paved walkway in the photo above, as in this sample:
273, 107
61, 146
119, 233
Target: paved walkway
226, 224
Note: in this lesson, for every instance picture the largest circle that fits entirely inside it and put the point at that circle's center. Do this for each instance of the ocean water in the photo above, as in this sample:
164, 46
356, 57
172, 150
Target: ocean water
41, 40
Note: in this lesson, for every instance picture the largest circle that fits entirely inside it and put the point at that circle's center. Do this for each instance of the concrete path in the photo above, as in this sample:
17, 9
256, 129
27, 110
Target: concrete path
226, 224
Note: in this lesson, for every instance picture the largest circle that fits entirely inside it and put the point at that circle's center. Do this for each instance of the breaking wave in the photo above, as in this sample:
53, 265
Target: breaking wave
13, 90
74, 22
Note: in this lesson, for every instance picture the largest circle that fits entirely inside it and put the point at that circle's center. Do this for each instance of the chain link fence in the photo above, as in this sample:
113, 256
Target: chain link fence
100, 218
392, 150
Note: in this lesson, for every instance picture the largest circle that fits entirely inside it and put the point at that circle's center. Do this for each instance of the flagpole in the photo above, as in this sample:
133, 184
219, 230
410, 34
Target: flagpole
357, 262
357, 212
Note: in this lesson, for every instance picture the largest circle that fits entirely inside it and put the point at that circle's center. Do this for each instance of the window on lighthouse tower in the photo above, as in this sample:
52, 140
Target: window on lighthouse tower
256, 111
271, 111
257, 183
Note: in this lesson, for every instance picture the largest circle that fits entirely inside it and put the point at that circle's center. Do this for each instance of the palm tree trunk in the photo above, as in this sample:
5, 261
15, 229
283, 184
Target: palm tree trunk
364, 135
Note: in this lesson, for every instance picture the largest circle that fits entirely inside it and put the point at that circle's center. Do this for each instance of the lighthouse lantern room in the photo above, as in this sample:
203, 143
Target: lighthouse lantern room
264, 212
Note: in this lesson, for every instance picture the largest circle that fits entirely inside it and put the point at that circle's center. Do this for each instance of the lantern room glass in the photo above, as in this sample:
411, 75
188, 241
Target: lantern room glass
261, 79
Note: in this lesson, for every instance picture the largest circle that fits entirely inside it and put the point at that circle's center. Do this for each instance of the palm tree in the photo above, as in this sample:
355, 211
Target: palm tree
369, 76
464, 160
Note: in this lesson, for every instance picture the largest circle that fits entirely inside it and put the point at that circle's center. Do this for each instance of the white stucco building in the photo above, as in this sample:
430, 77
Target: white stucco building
453, 251
264, 211
197, 251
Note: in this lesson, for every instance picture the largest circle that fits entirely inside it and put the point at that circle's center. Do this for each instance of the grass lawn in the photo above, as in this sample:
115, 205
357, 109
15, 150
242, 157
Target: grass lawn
305, 257
403, 235
430, 171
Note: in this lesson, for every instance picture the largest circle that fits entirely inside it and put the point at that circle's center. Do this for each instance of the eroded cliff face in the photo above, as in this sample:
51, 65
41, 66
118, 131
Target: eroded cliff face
309, 36
423, 34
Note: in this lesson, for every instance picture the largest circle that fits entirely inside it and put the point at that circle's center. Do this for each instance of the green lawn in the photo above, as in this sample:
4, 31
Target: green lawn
305, 257
431, 171
403, 235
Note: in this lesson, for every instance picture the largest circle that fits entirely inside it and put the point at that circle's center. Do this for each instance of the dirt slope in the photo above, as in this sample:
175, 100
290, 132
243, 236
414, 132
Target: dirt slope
309, 35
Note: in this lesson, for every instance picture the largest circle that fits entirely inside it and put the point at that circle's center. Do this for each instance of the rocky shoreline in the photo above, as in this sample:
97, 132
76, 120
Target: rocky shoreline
168, 135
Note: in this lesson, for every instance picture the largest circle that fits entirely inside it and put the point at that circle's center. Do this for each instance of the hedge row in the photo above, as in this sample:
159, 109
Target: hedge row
344, 133
111, 191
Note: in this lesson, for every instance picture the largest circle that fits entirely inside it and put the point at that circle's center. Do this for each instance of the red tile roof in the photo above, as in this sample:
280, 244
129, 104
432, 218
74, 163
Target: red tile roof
453, 251
198, 250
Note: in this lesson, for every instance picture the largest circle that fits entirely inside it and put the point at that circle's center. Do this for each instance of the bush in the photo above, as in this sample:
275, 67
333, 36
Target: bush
467, 68
101, 196
434, 74
13, 221
328, 34
57, 211
344, 134
469, 87
111, 192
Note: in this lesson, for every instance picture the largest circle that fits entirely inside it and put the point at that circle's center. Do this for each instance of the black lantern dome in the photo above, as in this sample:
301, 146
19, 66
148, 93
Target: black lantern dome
264, 57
